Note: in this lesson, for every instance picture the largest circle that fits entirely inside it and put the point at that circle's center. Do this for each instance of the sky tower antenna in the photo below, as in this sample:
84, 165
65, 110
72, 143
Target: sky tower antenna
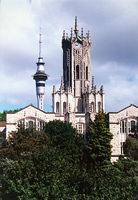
40, 41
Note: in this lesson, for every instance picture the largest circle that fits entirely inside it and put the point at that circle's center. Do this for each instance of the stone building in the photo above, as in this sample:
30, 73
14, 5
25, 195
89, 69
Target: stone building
121, 124
77, 99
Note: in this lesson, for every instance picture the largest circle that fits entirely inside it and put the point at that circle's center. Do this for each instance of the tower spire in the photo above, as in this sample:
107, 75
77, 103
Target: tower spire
40, 41
76, 26
93, 83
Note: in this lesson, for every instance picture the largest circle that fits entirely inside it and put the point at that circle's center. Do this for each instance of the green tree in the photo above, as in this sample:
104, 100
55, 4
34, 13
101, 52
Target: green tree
99, 139
51, 172
37, 166
24, 141
64, 136
131, 147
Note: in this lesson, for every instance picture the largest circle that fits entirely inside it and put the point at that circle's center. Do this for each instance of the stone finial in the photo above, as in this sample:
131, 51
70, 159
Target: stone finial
62, 84
76, 27
54, 89
63, 37
101, 89
88, 34
67, 36
82, 33
93, 83
95, 88
71, 33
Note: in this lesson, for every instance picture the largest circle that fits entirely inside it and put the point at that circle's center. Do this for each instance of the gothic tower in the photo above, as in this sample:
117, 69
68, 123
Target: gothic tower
76, 93
77, 63
40, 77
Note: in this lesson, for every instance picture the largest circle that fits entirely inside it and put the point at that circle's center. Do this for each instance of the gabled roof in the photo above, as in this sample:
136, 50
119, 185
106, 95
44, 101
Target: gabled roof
125, 108
27, 107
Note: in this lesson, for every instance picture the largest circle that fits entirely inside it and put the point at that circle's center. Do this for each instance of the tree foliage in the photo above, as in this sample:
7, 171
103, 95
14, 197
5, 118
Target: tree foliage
52, 165
99, 139
131, 147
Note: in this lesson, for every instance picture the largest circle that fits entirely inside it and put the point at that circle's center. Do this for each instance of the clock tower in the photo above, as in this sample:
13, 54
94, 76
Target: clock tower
76, 93
77, 63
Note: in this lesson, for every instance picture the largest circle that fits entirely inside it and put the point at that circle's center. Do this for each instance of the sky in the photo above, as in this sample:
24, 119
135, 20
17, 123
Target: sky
113, 26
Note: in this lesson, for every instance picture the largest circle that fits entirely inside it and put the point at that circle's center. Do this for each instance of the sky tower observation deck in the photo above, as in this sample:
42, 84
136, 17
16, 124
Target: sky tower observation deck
40, 77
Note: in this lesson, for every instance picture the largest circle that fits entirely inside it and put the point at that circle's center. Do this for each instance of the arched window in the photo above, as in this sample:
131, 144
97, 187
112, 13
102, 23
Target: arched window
99, 106
92, 106
57, 107
64, 107
133, 124
86, 73
30, 124
77, 72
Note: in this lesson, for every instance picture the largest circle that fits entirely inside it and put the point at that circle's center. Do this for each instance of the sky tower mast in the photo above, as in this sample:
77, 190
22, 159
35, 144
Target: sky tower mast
40, 77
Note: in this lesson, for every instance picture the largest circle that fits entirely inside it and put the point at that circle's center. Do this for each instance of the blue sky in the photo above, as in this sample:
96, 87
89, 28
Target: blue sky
114, 33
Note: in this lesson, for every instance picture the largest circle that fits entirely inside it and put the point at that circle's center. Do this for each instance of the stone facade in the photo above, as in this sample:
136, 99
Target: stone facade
32, 116
121, 124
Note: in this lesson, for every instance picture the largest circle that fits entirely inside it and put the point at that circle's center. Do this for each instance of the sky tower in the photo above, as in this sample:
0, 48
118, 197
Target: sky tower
40, 77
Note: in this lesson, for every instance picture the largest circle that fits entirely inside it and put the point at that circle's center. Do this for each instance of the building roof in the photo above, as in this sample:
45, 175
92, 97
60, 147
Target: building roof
2, 124
29, 106
124, 108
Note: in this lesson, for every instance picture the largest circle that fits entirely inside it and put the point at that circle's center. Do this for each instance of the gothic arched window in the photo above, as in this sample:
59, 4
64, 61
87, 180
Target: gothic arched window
86, 73
77, 72
57, 107
92, 106
64, 107
99, 106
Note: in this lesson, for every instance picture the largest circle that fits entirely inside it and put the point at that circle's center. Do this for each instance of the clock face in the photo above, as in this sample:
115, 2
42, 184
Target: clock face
77, 45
